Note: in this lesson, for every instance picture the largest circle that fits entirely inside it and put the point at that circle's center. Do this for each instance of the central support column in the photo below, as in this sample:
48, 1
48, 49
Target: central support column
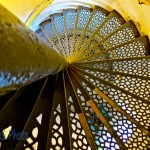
24, 57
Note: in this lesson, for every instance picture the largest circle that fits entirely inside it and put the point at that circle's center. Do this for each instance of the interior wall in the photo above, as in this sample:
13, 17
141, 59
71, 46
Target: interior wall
21, 8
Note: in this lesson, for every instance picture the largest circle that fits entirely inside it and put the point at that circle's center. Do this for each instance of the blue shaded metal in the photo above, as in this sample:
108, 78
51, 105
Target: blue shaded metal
94, 120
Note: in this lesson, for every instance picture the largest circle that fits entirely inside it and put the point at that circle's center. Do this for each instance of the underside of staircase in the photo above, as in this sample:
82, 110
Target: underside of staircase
101, 101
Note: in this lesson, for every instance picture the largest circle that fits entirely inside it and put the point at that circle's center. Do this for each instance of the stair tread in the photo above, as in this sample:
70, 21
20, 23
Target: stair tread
123, 34
74, 111
58, 126
103, 119
41, 34
93, 91
85, 111
135, 47
114, 86
134, 65
133, 83
39, 117
98, 31
97, 16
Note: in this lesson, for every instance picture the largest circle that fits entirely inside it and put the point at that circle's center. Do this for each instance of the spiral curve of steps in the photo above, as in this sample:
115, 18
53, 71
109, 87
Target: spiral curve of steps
101, 101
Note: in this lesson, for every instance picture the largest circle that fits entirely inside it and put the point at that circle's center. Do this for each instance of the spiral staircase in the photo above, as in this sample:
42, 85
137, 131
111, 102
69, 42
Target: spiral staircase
100, 101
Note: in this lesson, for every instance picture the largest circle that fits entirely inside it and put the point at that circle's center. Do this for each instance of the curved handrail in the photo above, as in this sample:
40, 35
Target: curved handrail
34, 14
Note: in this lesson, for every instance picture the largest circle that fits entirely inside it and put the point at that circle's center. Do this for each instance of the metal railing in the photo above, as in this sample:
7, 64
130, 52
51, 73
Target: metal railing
24, 57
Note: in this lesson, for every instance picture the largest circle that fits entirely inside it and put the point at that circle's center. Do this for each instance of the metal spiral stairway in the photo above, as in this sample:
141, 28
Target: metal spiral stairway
100, 101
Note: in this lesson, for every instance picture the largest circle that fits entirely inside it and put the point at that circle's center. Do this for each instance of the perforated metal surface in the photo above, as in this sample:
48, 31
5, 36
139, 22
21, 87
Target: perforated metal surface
96, 20
83, 17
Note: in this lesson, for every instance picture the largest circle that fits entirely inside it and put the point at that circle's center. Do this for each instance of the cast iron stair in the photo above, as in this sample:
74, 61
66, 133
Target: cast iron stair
100, 102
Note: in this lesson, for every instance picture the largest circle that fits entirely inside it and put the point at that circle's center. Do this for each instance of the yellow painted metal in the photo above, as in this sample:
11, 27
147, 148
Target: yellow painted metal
50, 40
85, 29
103, 52
31, 19
74, 32
97, 44
86, 130
24, 57
76, 57
117, 107
58, 37
83, 120
102, 117
68, 117
66, 37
